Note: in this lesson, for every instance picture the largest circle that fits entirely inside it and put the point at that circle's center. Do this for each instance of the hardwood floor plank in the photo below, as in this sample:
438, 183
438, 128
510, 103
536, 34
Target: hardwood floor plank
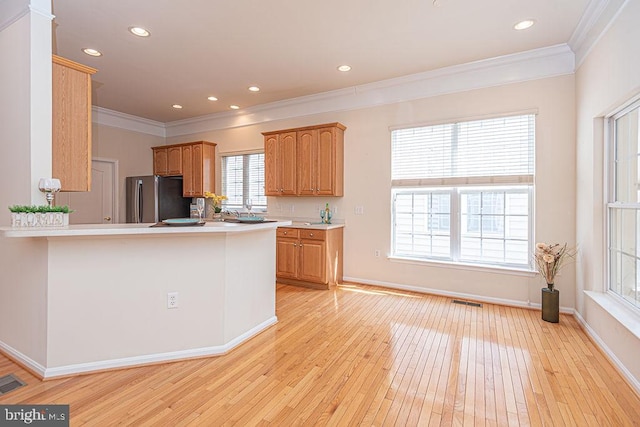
362, 355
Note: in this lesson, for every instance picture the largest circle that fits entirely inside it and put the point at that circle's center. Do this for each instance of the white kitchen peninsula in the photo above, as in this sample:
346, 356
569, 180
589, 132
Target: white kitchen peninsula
106, 292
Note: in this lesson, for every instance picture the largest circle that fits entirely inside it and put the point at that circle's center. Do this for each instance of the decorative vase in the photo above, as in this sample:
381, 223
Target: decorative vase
550, 304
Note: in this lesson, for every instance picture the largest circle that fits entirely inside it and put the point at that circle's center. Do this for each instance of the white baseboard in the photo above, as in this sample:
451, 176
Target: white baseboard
23, 360
102, 365
460, 295
633, 382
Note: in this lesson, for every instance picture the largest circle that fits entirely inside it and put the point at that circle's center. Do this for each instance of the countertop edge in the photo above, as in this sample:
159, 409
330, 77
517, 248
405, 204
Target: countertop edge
135, 229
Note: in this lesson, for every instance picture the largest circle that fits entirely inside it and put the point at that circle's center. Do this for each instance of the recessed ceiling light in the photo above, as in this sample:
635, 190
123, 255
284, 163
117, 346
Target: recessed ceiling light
212, 98
139, 31
523, 25
234, 107
344, 68
177, 106
92, 52
254, 88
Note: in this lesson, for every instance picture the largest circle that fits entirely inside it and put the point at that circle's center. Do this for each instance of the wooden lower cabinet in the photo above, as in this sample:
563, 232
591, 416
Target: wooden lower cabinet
309, 257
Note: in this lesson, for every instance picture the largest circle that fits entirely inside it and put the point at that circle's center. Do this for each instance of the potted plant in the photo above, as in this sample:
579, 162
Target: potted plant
549, 259
215, 203
39, 216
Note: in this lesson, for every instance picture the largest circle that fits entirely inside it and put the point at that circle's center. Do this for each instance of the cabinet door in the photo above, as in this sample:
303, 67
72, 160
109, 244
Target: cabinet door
187, 171
160, 161
326, 162
307, 148
196, 171
287, 163
71, 124
174, 161
312, 263
286, 258
208, 169
271, 181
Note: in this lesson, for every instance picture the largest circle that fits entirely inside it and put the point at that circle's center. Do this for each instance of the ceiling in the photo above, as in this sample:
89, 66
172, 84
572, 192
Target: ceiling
201, 48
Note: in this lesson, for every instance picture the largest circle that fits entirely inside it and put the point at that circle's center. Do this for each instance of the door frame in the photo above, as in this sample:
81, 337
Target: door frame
115, 218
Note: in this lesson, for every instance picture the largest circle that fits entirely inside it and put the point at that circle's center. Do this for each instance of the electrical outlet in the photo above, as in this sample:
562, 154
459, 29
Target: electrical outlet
172, 300
377, 253
359, 210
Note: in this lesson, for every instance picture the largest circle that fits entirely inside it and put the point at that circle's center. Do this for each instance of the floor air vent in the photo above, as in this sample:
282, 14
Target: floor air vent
9, 383
472, 304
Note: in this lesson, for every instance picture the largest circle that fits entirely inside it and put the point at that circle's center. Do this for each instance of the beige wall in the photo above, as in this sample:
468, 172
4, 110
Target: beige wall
609, 77
131, 149
368, 177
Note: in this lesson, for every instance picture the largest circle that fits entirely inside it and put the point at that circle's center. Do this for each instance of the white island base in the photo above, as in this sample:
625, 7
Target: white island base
107, 294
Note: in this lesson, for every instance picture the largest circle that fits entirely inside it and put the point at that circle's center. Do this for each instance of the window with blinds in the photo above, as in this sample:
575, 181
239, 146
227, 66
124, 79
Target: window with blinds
242, 179
463, 192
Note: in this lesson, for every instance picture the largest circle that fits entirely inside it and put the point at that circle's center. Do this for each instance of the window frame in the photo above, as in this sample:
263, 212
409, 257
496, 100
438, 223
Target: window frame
245, 187
456, 186
455, 221
612, 205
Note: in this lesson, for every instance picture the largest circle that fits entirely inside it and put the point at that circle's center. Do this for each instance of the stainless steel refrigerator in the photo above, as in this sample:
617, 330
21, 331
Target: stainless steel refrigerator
155, 198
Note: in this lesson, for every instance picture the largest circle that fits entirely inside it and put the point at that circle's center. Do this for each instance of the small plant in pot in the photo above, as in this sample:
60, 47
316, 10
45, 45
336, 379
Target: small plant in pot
549, 260
39, 216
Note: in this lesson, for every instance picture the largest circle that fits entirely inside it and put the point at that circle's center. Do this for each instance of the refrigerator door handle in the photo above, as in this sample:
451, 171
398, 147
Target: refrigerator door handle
138, 204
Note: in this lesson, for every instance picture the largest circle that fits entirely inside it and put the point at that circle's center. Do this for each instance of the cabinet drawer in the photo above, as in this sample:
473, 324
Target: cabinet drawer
287, 232
312, 234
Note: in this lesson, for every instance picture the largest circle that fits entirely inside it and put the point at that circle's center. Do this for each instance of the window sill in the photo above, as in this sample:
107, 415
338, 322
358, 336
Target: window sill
625, 315
461, 266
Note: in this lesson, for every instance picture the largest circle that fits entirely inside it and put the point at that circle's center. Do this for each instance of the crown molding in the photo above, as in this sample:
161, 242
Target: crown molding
524, 66
596, 20
530, 65
106, 117
13, 11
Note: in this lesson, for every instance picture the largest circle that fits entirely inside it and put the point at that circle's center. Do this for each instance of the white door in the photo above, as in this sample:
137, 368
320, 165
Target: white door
98, 205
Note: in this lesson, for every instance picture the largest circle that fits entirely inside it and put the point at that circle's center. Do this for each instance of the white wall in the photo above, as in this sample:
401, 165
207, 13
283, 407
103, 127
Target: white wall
132, 150
609, 77
368, 177
25, 157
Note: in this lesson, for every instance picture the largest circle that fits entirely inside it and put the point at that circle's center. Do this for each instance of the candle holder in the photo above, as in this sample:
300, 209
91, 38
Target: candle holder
49, 186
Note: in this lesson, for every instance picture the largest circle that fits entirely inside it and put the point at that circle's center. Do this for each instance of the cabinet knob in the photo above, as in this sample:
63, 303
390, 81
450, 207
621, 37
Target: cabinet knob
107, 218
310, 234
295, 244
285, 232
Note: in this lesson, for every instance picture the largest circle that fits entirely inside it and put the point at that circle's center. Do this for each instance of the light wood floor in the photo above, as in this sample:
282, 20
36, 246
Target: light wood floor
361, 355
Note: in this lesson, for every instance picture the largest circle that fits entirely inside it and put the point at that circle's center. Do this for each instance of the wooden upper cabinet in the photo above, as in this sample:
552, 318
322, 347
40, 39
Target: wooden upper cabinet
195, 161
71, 124
167, 161
307, 148
280, 164
329, 162
311, 157
271, 169
198, 168
160, 161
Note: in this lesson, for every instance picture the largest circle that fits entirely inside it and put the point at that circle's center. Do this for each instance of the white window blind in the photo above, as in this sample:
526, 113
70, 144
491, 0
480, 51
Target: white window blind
243, 178
485, 151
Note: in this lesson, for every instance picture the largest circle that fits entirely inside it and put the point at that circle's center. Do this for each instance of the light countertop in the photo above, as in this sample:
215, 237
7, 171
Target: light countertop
140, 229
315, 225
